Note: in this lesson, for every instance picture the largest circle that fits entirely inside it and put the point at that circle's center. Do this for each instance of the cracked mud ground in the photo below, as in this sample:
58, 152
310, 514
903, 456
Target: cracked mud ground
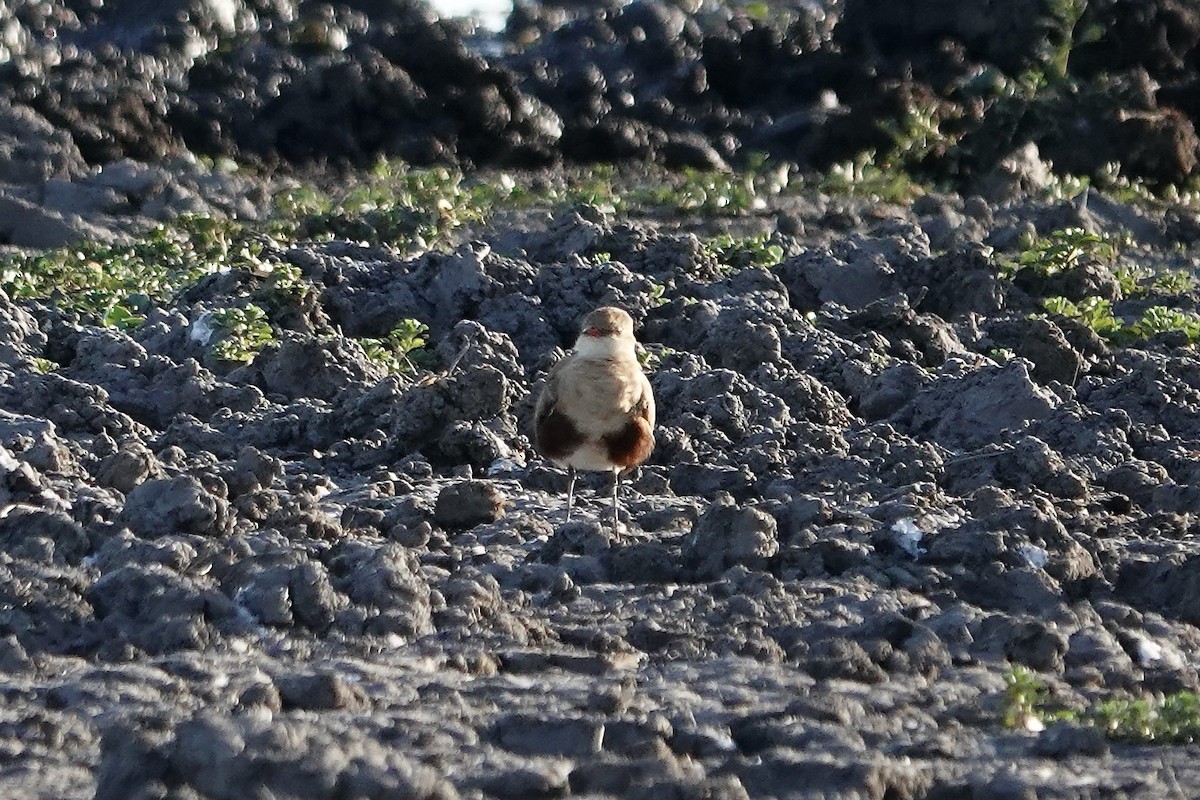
871, 499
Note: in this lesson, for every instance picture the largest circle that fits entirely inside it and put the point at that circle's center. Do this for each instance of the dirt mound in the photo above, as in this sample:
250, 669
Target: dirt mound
949, 89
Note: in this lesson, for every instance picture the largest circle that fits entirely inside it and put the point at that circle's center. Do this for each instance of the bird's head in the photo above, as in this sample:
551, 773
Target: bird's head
604, 333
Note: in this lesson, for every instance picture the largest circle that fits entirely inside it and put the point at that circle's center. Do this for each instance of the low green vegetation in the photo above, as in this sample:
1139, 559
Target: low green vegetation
401, 350
1068, 33
117, 284
1065, 249
406, 209
657, 294
740, 252
1132, 280
410, 209
1161, 319
870, 177
1097, 314
713, 192
1027, 701
1094, 312
1173, 282
284, 285
1160, 719
244, 333
651, 355
1170, 719
595, 186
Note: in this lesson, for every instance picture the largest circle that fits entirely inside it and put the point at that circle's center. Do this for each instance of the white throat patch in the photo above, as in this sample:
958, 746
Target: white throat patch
602, 347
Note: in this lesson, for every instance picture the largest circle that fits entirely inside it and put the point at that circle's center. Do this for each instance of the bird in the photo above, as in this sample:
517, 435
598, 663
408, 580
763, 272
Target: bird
596, 411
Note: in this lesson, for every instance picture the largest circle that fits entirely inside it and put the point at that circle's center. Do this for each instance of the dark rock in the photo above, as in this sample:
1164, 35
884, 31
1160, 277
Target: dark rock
25, 224
32, 150
308, 367
24, 529
321, 691
550, 780
569, 737
727, 536
156, 610
128, 467
1064, 740
789, 768
964, 408
175, 505
467, 504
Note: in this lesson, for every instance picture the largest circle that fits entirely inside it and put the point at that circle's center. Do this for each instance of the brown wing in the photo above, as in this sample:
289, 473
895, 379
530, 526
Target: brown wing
554, 435
633, 444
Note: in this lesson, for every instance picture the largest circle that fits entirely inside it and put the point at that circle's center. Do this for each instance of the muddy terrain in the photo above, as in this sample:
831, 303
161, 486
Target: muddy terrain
918, 525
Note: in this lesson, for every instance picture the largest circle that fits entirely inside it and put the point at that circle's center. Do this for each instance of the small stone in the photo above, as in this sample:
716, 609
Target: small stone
730, 535
174, 506
260, 695
128, 468
1064, 740
535, 780
464, 505
566, 736
319, 692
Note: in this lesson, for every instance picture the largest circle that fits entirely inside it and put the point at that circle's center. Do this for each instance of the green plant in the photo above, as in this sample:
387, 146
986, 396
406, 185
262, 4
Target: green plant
1172, 719
1024, 695
1161, 319
244, 332
657, 294
1063, 249
285, 286
712, 192
863, 176
595, 186
1130, 279
122, 317
1165, 719
916, 136
1001, 355
1066, 35
394, 205
739, 252
1094, 312
1174, 282
651, 355
116, 284
397, 351
300, 201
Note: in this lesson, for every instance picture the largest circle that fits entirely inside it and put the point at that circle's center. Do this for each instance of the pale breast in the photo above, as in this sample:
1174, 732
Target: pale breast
599, 395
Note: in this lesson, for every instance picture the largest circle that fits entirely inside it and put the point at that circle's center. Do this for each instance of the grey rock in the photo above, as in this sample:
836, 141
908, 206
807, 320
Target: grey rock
128, 468
727, 536
1065, 740
569, 737
26, 224
964, 408
467, 504
32, 150
175, 505
321, 691
25, 530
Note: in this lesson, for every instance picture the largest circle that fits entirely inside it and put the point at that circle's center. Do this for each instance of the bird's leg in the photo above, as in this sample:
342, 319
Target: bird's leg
570, 490
616, 488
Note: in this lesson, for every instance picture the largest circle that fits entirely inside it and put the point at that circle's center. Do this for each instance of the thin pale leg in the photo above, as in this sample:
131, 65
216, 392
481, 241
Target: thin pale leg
616, 488
570, 490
